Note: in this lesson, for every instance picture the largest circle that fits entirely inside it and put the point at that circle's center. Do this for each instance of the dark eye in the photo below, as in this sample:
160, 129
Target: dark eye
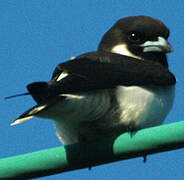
136, 37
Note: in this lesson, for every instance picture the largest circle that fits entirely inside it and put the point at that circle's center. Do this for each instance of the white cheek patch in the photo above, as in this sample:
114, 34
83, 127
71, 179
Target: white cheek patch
62, 75
123, 50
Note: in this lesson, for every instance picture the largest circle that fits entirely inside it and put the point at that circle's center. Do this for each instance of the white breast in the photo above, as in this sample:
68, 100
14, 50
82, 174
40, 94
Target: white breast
144, 107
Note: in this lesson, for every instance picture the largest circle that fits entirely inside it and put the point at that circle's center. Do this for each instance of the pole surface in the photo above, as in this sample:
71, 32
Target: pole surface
85, 155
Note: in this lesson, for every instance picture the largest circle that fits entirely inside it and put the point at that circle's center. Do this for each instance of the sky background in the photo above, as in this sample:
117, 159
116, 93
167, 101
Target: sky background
36, 35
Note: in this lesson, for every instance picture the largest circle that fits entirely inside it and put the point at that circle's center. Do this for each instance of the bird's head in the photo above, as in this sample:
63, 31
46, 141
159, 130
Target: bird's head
140, 37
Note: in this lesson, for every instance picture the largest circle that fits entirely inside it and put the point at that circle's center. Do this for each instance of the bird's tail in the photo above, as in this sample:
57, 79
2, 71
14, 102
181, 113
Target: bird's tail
40, 91
16, 95
29, 114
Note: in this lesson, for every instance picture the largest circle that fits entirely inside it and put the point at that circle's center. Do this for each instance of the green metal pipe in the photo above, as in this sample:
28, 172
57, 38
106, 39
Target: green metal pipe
76, 156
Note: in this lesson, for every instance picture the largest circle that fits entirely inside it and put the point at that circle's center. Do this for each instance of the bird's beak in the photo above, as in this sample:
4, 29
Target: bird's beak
161, 45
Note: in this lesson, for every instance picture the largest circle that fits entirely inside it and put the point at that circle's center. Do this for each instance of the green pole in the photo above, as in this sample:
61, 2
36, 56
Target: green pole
76, 156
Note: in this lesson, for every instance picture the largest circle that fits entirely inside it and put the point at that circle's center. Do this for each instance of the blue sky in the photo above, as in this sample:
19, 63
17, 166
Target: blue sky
36, 35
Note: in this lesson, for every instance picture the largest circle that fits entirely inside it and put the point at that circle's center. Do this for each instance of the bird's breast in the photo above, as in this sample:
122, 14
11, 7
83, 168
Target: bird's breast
144, 106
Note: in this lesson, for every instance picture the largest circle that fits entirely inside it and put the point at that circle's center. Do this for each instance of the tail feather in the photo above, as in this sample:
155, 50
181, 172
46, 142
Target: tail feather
39, 91
20, 120
17, 95
29, 114
43, 94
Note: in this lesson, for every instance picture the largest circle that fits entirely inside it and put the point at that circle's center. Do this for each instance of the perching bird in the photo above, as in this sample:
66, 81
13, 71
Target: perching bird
123, 86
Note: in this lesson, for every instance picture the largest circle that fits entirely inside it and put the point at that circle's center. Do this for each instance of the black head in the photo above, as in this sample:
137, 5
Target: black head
141, 37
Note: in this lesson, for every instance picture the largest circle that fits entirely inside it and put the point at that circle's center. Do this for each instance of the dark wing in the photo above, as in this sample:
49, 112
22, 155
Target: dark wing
101, 70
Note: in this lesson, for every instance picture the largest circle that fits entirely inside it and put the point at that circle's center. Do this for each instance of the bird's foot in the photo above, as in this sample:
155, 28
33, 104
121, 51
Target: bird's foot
144, 158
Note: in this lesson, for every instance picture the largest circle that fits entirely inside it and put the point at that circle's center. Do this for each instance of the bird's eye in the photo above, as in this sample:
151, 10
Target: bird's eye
136, 37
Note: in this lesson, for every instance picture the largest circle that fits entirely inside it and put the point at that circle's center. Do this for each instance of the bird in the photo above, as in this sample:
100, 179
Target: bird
123, 86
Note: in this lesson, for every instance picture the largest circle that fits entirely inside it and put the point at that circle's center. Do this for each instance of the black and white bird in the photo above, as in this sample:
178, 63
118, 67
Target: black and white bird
123, 86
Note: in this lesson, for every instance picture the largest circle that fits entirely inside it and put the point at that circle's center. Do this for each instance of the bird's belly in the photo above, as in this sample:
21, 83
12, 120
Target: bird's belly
76, 110
143, 107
